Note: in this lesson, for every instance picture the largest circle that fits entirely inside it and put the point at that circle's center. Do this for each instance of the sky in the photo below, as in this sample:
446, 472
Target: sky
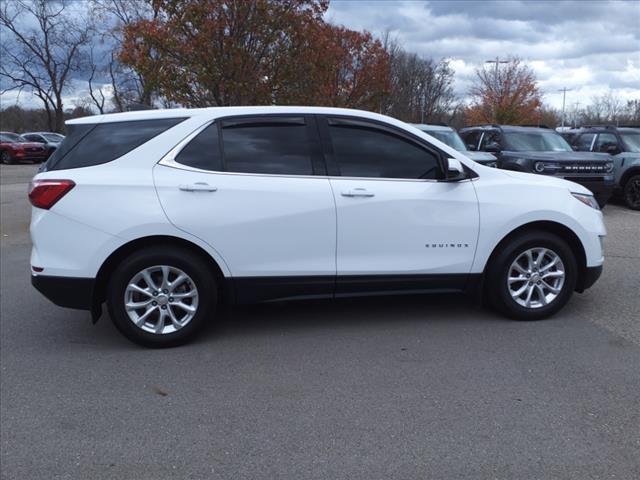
588, 46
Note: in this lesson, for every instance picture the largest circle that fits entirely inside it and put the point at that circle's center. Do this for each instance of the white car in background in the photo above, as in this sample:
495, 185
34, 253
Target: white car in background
450, 137
164, 214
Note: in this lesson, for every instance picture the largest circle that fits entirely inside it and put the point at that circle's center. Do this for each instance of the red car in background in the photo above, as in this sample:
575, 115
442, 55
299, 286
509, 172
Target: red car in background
14, 148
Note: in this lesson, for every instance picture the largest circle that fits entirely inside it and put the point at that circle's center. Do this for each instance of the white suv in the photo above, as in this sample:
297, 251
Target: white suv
165, 214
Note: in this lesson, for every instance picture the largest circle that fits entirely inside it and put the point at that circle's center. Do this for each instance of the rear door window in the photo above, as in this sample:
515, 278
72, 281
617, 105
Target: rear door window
90, 144
203, 152
267, 145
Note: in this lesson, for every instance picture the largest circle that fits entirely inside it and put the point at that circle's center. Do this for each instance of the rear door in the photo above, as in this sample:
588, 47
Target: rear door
247, 187
399, 227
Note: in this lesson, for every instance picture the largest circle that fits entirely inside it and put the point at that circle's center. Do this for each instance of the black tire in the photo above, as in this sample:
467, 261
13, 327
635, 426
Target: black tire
496, 282
192, 264
6, 158
631, 192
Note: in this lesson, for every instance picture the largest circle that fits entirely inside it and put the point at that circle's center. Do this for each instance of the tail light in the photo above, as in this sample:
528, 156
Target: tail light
45, 193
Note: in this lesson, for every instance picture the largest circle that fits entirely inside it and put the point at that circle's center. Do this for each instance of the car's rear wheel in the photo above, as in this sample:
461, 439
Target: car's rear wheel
161, 296
632, 192
6, 158
532, 277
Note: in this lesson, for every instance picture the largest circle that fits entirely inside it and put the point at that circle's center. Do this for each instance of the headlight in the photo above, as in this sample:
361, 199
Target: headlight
539, 167
588, 200
609, 167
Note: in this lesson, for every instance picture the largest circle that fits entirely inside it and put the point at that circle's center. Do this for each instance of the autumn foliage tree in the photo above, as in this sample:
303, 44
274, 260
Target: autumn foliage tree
255, 52
504, 94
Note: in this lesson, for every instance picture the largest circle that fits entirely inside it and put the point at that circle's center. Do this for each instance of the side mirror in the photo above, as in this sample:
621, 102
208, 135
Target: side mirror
612, 149
455, 170
492, 147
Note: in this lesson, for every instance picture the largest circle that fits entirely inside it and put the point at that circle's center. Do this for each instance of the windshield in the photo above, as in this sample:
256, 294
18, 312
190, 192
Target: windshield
11, 138
535, 142
451, 138
632, 141
53, 137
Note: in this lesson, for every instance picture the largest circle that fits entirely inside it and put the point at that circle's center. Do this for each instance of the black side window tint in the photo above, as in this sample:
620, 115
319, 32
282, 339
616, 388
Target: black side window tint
75, 133
491, 137
361, 151
471, 139
584, 142
108, 141
267, 145
203, 151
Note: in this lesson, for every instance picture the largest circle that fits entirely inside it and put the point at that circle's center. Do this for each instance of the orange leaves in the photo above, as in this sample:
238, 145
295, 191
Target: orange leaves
506, 95
226, 52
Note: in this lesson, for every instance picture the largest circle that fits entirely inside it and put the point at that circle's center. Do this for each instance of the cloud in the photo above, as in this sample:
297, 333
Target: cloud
590, 47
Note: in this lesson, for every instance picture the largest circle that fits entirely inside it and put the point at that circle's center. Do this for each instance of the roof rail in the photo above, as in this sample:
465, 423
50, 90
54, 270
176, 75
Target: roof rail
610, 127
484, 125
536, 126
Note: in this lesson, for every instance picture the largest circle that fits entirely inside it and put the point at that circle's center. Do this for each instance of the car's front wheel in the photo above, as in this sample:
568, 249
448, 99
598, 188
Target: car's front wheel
6, 158
632, 192
532, 277
161, 296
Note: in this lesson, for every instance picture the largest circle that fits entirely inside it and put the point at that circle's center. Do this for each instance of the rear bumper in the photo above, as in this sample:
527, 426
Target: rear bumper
66, 292
591, 275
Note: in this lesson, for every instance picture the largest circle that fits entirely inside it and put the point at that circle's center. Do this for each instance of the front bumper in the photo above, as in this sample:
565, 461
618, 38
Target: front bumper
591, 275
69, 292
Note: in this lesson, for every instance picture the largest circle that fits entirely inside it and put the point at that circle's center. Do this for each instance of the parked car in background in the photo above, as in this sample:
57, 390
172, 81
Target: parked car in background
449, 136
545, 152
14, 148
164, 214
621, 142
50, 140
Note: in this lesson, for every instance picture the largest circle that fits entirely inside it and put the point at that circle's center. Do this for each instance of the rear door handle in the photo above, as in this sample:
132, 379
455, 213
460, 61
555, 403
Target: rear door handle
197, 187
358, 192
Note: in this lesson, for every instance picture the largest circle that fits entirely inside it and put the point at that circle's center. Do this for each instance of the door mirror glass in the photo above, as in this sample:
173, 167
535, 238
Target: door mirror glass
492, 147
612, 149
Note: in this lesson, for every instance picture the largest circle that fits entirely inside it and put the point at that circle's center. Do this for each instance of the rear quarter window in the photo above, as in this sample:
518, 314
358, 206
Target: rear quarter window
87, 145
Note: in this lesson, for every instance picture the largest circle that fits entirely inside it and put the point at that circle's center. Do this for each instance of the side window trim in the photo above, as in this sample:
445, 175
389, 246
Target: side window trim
333, 169
593, 142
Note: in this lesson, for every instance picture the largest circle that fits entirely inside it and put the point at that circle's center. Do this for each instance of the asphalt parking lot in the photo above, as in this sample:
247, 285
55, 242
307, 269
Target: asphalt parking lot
406, 388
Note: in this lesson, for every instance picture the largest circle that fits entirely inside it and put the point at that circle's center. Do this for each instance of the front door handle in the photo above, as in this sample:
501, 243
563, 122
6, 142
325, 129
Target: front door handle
358, 192
197, 187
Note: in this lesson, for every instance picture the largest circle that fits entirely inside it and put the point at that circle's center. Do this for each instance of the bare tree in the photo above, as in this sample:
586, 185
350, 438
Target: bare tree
42, 46
128, 87
421, 88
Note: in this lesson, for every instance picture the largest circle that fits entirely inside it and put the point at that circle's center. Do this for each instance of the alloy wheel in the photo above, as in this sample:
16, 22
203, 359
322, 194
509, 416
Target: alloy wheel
632, 192
161, 299
536, 277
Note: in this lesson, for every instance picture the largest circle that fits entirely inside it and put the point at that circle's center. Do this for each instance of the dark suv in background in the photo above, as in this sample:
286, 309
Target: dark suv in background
621, 142
543, 151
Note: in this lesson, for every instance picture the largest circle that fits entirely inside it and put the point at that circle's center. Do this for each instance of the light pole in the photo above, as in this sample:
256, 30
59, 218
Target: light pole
497, 61
564, 96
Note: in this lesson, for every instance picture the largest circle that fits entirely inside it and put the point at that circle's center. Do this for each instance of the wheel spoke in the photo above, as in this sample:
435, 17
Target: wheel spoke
517, 279
137, 305
550, 288
529, 255
181, 278
554, 274
147, 278
174, 320
165, 277
528, 298
516, 266
541, 295
160, 324
182, 295
541, 254
143, 318
184, 306
521, 290
136, 288
550, 264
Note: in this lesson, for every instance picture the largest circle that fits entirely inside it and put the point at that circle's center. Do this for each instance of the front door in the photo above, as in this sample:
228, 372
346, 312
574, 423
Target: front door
399, 227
